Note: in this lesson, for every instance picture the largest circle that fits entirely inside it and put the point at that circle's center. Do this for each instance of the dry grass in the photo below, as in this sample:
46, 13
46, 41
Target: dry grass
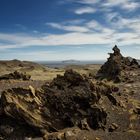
48, 74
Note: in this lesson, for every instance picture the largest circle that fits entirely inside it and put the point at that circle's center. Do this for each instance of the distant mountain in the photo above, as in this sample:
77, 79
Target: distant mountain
70, 61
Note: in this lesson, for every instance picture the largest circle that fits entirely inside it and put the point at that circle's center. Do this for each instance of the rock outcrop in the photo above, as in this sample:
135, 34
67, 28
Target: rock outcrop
73, 97
116, 67
69, 100
15, 76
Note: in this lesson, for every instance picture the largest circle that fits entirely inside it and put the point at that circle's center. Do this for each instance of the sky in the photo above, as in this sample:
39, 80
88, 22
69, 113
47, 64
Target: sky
44, 30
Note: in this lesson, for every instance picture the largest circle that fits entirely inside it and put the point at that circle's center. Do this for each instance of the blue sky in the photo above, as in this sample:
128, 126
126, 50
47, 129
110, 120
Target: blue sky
68, 29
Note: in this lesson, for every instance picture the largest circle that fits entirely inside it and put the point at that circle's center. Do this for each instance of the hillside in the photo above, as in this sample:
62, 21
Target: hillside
36, 70
22, 66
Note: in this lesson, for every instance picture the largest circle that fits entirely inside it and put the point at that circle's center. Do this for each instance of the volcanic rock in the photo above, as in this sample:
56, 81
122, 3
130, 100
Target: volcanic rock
23, 105
72, 97
116, 67
16, 76
66, 102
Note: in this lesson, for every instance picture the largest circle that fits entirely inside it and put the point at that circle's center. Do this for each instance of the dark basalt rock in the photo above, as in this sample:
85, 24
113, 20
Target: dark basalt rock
15, 76
65, 102
116, 67
72, 97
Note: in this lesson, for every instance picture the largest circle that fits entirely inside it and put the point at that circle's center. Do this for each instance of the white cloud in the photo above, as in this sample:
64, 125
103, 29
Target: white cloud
131, 6
93, 24
71, 28
127, 38
85, 10
123, 4
117, 22
122, 31
106, 5
15, 38
111, 15
87, 1
135, 26
73, 22
110, 3
77, 39
63, 39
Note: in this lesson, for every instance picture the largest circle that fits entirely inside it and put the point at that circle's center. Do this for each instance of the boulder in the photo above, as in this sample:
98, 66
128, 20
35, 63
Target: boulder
15, 76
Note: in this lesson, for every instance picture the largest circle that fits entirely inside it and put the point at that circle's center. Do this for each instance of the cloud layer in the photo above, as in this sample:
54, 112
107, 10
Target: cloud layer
123, 32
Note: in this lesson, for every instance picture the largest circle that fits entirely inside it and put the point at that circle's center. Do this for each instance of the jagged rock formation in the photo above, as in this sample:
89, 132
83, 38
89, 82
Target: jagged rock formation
15, 76
117, 66
69, 100
73, 97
